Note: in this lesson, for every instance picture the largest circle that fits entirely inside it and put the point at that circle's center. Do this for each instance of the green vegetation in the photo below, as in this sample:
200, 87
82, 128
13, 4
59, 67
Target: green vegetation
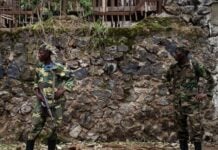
99, 35
27, 4
49, 25
86, 4
57, 7
103, 36
116, 36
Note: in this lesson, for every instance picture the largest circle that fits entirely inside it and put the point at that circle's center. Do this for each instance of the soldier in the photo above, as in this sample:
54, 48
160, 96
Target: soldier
51, 81
184, 84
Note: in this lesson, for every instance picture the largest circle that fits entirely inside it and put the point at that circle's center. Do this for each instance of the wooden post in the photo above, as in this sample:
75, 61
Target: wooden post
104, 9
112, 19
146, 7
136, 16
106, 2
32, 18
118, 20
15, 21
112, 3
19, 19
159, 6
123, 18
93, 7
26, 19
130, 14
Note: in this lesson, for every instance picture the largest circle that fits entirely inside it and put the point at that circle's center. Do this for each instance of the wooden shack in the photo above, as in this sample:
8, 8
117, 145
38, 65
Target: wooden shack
118, 13
12, 15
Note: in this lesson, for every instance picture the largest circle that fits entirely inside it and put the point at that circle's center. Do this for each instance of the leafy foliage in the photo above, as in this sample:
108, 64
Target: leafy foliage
27, 4
86, 4
58, 5
99, 35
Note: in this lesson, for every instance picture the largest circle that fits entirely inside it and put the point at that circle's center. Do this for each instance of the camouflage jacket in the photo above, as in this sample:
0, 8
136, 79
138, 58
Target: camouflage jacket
50, 77
189, 79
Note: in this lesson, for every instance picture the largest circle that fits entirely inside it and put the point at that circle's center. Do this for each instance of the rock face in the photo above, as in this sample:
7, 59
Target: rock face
197, 12
119, 92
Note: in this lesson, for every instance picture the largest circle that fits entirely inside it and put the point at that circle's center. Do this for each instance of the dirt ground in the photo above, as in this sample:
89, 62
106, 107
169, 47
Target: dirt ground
109, 146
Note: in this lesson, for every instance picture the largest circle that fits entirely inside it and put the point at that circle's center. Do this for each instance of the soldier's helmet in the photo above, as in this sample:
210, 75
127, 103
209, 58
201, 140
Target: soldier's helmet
48, 47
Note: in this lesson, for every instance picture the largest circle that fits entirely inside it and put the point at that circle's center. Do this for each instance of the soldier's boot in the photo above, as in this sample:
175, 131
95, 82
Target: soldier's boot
198, 145
183, 144
52, 144
30, 145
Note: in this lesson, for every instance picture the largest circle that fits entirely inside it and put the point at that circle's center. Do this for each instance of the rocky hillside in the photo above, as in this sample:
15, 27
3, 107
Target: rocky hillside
119, 92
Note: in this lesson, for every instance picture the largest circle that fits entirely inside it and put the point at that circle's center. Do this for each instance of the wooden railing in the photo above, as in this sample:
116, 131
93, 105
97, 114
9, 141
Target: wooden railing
114, 9
15, 12
10, 13
143, 5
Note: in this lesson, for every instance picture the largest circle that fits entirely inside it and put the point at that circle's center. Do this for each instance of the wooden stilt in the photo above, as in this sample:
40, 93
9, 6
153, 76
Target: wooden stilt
123, 20
25, 19
136, 16
32, 19
112, 20
118, 21
19, 19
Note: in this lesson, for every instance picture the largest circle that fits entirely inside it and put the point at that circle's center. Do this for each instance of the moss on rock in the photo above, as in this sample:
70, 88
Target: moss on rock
153, 26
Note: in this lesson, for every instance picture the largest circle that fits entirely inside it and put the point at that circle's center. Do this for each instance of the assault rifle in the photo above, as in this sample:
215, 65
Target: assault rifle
44, 103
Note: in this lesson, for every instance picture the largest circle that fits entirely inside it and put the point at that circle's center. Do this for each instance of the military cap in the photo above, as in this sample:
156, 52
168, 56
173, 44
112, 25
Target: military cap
48, 47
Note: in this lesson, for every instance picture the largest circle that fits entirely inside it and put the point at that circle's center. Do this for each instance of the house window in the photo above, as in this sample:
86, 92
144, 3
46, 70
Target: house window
214, 13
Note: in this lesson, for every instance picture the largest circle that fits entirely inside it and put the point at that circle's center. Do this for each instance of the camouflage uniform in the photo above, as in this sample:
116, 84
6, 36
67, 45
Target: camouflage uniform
184, 84
48, 79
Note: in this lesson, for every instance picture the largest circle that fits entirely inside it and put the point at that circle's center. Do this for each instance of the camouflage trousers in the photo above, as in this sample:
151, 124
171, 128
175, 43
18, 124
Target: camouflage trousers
41, 119
189, 120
